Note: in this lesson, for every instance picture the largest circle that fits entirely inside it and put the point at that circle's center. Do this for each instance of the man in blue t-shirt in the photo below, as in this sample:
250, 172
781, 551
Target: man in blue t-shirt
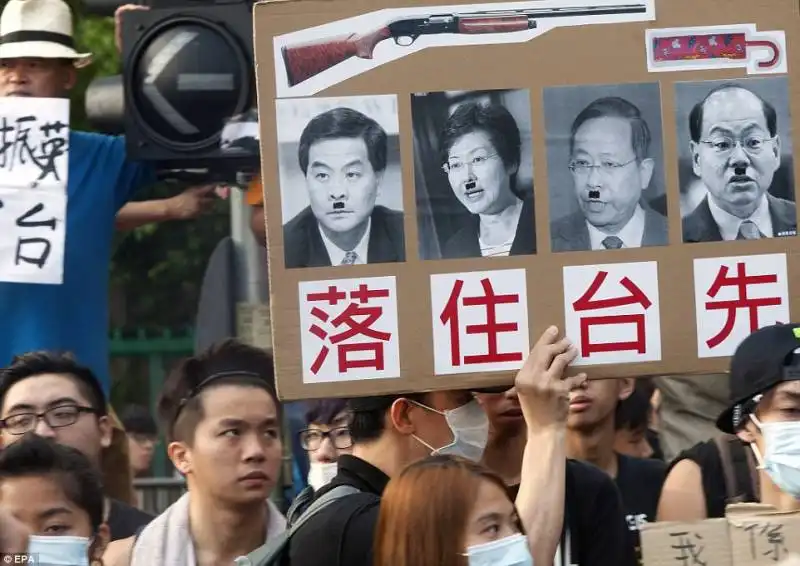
38, 59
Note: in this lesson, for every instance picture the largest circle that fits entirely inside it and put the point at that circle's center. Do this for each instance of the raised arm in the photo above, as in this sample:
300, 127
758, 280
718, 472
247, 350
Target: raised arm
544, 398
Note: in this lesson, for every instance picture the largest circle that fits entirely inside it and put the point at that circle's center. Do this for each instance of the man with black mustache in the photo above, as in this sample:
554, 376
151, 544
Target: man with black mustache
342, 154
611, 168
736, 151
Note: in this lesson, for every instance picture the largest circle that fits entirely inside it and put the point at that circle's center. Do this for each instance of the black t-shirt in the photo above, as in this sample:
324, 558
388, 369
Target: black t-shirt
707, 457
597, 534
639, 481
342, 534
125, 521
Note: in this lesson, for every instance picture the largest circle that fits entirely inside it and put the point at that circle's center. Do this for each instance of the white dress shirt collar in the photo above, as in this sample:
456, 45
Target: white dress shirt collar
631, 234
729, 224
336, 254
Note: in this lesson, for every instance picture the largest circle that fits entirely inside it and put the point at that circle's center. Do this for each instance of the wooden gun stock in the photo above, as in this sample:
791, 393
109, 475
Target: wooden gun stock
310, 59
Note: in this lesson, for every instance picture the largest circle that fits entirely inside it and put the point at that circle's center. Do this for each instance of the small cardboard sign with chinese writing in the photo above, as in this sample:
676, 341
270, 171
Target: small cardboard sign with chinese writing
446, 180
34, 140
749, 535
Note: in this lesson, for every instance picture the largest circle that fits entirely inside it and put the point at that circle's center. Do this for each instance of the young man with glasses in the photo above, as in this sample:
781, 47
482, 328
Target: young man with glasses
326, 437
54, 397
736, 151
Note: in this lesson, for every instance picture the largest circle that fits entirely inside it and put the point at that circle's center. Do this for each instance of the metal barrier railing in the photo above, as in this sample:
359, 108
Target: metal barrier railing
154, 495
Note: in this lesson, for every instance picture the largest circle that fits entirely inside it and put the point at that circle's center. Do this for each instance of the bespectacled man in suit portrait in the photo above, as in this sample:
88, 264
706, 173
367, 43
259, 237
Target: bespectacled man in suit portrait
611, 166
343, 154
736, 151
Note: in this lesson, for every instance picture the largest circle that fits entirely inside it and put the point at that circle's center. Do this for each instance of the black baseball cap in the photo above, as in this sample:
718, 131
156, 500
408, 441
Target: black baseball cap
763, 360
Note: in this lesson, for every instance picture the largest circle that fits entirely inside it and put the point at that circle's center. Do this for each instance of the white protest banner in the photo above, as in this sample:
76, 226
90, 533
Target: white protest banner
34, 160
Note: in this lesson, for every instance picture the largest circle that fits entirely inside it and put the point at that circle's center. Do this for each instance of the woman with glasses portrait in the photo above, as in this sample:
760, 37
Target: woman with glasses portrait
480, 145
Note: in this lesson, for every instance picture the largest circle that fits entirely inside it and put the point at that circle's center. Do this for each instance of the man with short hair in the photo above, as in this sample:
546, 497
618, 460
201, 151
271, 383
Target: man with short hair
53, 396
591, 436
764, 412
342, 154
37, 60
611, 166
222, 418
736, 151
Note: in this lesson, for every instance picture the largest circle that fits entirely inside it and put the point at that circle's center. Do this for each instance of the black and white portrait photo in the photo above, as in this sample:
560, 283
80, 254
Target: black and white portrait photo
605, 167
473, 173
735, 159
341, 183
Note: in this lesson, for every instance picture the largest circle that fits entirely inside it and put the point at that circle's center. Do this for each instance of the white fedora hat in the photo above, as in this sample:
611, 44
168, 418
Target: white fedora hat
39, 28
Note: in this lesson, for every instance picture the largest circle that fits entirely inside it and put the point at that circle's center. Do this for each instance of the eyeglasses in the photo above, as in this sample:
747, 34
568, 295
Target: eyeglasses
455, 166
311, 439
724, 145
57, 417
606, 167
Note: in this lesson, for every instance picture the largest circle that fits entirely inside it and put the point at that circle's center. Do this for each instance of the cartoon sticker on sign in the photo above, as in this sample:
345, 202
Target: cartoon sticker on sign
314, 59
349, 329
612, 312
34, 139
735, 296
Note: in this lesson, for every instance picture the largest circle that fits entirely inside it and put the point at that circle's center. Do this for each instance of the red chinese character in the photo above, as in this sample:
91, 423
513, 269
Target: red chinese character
587, 302
357, 320
491, 329
741, 281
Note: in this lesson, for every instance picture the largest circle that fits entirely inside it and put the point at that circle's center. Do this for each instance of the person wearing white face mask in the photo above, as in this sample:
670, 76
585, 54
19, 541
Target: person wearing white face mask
765, 415
325, 438
55, 492
450, 511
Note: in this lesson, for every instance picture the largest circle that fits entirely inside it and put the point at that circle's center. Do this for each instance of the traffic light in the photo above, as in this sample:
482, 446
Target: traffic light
188, 81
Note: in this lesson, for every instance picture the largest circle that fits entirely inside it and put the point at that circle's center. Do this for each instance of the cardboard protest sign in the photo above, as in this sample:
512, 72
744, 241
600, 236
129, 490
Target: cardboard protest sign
745, 537
34, 140
445, 181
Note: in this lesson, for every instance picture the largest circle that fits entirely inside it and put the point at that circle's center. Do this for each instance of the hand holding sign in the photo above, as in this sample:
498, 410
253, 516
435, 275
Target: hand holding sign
541, 384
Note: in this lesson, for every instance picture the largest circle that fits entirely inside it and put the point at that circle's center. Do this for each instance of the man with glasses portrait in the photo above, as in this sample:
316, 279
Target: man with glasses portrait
736, 151
53, 396
611, 166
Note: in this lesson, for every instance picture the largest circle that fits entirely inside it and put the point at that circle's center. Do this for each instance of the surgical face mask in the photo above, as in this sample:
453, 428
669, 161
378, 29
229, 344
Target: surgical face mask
470, 427
781, 458
321, 474
509, 551
59, 551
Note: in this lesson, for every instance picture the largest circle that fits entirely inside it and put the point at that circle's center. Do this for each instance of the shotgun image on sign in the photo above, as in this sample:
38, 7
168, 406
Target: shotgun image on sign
307, 60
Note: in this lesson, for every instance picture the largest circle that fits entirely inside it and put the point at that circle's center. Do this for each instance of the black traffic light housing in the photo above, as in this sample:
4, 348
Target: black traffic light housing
188, 70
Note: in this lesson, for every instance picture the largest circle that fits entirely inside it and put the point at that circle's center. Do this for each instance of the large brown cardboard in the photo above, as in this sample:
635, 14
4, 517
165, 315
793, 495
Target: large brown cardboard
603, 54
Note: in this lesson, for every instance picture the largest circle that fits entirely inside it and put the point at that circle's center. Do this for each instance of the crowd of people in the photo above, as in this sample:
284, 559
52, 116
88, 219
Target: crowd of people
553, 469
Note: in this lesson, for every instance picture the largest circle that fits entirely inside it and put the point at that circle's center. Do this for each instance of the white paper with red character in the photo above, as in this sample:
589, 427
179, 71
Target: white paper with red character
349, 329
612, 312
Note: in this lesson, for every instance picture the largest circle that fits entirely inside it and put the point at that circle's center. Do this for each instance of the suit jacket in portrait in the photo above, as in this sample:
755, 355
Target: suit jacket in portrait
700, 226
464, 243
570, 234
303, 245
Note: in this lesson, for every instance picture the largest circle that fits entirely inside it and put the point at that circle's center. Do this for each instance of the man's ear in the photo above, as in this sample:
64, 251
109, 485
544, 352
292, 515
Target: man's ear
694, 148
646, 167
626, 387
70, 77
181, 456
748, 433
106, 431
400, 416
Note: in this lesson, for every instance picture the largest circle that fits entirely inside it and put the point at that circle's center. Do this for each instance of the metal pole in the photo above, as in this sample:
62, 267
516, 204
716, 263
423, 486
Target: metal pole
249, 277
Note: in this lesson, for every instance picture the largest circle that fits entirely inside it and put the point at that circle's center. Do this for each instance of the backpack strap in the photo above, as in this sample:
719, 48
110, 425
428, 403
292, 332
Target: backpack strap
732, 491
300, 504
266, 554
